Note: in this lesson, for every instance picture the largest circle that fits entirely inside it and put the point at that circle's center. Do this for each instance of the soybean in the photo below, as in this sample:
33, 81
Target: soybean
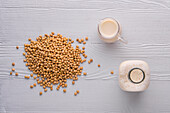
13, 64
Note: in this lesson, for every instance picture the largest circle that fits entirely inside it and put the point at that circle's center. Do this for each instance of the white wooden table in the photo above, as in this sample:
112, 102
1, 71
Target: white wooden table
146, 26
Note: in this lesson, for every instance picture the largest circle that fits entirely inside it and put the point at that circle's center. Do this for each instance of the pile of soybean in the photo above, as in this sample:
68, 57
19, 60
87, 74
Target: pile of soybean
53, 60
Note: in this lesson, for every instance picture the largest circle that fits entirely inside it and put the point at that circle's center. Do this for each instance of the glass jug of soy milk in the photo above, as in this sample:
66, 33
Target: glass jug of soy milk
109, 30
134, 75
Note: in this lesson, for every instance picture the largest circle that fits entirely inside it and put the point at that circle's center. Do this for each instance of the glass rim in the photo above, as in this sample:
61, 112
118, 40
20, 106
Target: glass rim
118, 31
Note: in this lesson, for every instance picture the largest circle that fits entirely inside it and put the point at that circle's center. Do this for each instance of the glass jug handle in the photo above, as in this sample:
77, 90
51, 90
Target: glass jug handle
122, 40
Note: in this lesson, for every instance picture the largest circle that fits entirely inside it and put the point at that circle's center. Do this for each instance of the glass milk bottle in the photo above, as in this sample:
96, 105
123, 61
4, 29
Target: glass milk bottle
134, 76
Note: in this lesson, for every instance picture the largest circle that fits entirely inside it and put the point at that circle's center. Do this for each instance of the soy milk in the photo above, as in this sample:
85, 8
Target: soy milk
109, 30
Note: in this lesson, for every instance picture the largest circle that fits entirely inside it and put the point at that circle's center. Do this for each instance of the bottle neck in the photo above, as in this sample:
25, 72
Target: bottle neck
136, 75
